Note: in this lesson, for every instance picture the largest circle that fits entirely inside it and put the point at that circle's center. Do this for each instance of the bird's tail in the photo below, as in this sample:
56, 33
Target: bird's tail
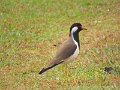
45, 69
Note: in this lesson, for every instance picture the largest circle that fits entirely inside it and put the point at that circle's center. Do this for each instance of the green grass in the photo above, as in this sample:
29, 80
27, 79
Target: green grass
30, 28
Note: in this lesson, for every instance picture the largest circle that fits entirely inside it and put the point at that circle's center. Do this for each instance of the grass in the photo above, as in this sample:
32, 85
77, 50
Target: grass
30, 28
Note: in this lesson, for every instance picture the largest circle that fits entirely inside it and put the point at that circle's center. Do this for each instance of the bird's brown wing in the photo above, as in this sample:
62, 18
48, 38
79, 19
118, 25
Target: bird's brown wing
65, 51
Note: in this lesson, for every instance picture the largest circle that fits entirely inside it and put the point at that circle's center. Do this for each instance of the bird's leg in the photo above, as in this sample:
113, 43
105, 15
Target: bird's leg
66, 72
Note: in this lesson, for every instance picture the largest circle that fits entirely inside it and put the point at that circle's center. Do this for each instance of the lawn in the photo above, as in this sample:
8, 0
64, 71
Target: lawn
31, 31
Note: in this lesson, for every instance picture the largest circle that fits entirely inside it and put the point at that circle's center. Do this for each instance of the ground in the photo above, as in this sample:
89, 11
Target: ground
32, 30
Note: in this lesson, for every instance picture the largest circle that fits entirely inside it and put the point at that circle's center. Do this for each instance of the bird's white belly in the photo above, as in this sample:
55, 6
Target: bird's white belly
71, 58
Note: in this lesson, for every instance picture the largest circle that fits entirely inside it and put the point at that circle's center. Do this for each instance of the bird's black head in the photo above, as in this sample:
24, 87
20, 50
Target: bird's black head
76, 27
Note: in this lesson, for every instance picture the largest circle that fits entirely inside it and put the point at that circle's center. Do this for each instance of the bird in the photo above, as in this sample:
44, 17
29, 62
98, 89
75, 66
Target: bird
69, 50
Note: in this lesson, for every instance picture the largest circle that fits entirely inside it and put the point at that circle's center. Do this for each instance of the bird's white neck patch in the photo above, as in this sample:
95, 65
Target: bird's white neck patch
74, 29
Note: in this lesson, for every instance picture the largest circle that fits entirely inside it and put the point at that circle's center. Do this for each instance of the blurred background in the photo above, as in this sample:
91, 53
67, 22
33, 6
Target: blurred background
30, 34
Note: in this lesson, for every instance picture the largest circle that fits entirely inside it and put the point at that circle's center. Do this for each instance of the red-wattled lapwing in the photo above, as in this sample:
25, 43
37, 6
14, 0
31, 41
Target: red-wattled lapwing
69, 50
